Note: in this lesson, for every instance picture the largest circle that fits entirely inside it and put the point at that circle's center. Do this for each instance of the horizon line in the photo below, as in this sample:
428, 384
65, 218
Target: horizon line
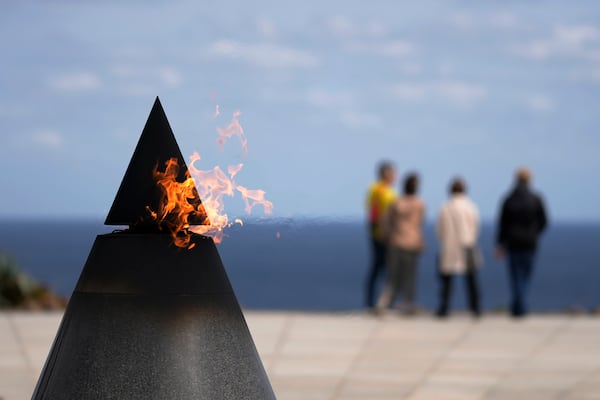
268, 218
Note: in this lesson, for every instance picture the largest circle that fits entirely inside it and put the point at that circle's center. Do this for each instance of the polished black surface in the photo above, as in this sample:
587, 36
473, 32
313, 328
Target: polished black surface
130, 263
151, 321
138, 190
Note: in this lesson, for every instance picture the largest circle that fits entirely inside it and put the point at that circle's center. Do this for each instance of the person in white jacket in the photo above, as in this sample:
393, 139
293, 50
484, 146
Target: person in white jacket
457, 230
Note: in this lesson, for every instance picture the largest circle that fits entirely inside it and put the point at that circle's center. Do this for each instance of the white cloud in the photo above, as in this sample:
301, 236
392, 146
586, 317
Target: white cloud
389, 48
343, 26
540, 103
138, 89
578, 41
410, 68
446, 69
75, 82
133, 76
595, 75
469, 22
343, 104
131, 80
266, 55
170, 77
464, 94
463, 21
375, 29
265, 27
588, 75
323, 98
504, 20
410, 92
48, 139
459, 94
576, 35
353, 119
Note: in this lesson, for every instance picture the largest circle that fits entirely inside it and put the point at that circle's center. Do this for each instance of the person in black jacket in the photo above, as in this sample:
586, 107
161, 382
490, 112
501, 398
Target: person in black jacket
522, 219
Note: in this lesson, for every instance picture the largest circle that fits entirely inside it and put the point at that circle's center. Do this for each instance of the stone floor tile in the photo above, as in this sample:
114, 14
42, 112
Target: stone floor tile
358, 356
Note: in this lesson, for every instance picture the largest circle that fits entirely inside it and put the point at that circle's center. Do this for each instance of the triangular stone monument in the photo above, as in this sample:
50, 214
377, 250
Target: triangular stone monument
149, 320
138, 190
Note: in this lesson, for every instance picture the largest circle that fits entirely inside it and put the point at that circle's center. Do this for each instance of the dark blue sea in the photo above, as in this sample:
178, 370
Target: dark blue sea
322, 266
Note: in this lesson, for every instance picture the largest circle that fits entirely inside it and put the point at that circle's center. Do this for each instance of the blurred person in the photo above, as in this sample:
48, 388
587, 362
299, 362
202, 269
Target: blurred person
457, 229
380, 196
522, 219
403, 235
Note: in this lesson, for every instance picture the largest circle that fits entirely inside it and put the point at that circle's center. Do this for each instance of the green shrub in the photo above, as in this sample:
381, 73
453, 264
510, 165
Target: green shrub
15, 285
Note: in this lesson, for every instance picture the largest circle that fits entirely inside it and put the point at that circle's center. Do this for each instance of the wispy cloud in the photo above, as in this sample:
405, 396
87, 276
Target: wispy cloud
540, 103
318, 97
370, 38
170, 77
167, 76
500, 20
344, 105
268, 55
390, 48
504, 20
134, 80
343, 26
410, 92
454, 93
75, 82
410, 68
580, 42
591, 75
463, 21
461, 93
265, 27
48, 139
354, 119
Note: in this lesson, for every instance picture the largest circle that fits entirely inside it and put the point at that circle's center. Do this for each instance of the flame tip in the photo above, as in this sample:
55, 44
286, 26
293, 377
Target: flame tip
178, 205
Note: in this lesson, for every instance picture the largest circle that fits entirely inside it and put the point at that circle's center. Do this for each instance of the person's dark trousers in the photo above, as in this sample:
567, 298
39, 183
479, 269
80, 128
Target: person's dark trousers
521, 268
377, 269
446, 292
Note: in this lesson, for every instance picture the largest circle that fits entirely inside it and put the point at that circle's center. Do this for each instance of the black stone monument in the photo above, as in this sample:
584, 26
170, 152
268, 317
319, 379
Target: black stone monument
147, 319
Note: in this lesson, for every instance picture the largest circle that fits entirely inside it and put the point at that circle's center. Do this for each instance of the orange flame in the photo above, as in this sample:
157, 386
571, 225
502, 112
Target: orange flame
234, 169
176, 208
212, 186
253, 198
234, 128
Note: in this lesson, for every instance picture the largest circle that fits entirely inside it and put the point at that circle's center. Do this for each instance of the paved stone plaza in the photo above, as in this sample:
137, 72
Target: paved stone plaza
358, 356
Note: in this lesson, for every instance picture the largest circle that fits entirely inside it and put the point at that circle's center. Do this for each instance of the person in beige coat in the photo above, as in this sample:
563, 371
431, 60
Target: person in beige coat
458, 230
403, 233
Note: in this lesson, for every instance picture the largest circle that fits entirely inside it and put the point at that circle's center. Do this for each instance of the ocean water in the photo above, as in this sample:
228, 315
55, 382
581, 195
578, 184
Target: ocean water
316, 265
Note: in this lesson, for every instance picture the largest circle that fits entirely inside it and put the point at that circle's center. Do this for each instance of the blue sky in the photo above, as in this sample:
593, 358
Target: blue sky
326, 89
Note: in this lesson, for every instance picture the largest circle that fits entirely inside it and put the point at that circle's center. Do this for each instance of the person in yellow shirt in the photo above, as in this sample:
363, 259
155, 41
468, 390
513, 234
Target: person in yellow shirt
379, 197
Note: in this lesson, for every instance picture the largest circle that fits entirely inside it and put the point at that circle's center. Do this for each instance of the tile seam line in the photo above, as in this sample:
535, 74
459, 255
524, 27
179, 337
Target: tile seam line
585, 377
564, 394
360, 355
21, 344
529, 355
468, 327
282, 339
